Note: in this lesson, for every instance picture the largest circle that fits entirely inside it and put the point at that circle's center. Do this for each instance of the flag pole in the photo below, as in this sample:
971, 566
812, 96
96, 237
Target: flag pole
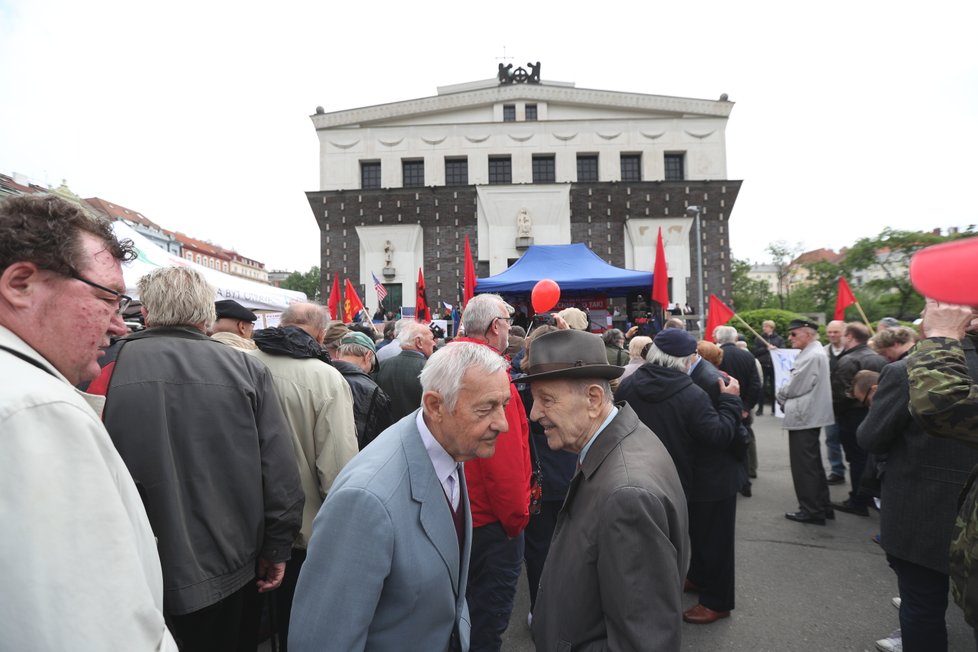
863, 314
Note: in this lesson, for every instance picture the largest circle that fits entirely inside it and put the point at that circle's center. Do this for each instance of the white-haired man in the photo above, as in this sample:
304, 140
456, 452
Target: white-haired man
613, 576
77, 556
743, 366
499, 487
319, 407
388, 561
398, 376
200, 428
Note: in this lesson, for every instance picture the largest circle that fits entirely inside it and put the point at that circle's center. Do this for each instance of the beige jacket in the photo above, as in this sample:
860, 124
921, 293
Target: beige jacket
319, 407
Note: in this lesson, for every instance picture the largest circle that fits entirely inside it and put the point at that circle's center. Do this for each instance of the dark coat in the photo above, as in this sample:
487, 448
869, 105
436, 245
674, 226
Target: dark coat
923, 476
613, 577
695, 434
851, 361
740, 364
398, 377
371, 405
762, 353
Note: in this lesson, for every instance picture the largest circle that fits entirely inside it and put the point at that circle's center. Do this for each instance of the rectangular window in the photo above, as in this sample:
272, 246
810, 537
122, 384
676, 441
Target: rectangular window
531, 112
544, 170
509, 113
675, 167
631, 167
500, 169
456, 171
413, 171
369, 174
587, 167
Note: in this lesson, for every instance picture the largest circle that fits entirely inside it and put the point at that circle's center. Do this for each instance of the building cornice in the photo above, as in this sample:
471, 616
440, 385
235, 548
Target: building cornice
656, 105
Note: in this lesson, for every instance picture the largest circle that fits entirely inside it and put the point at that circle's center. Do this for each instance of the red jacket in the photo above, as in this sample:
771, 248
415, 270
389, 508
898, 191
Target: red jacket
499, 486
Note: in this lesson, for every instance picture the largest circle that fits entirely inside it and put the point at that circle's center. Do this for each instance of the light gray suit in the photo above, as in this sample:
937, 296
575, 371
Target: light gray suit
383, 570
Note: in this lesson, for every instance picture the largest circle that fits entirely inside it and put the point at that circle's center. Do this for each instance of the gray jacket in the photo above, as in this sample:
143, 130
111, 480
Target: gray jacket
807, 396
200, 428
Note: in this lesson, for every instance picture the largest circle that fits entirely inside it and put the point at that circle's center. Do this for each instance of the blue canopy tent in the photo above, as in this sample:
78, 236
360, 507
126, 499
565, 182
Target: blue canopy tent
574, 267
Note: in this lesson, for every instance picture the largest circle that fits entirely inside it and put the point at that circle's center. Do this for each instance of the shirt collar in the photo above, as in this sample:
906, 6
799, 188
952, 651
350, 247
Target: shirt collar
444, 464
587, 446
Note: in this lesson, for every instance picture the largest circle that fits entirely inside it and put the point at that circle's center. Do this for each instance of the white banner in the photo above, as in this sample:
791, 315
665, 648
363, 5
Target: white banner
783, 360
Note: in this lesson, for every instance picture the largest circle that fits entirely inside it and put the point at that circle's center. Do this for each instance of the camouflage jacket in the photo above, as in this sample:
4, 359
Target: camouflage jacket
944, 400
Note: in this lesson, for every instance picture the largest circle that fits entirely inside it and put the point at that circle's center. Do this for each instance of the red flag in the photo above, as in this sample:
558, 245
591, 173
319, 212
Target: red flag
846, 298
660, 275
351, 303
421, 312
334, 298
717, 314
470, 280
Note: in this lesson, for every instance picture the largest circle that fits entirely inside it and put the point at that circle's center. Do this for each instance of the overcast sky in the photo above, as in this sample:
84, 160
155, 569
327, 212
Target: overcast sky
849, 116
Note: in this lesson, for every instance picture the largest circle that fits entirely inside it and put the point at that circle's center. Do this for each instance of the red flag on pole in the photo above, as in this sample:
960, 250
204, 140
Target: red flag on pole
334, 298
717, 314
660, 275
470, 280
846, 298
351, 303
421, 312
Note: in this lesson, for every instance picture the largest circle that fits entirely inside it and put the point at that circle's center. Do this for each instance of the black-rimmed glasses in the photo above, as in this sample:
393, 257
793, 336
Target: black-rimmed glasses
123, 300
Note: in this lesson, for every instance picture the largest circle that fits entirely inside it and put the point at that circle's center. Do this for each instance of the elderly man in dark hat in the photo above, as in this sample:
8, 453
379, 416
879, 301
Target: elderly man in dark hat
234, 325
701, 437
613, 578
807, 401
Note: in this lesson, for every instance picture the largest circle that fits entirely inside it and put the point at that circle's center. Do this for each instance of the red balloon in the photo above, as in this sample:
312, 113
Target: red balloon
946, 272
545, 295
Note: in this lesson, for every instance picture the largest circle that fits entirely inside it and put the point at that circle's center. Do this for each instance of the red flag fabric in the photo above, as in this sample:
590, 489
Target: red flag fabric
421, 312
717, 314
660, 275
845, 299
470, 280
334, 298
351, 303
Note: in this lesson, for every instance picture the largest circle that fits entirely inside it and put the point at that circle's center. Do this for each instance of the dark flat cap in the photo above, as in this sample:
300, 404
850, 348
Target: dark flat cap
231, 309
801, 323
569, 354
675, 342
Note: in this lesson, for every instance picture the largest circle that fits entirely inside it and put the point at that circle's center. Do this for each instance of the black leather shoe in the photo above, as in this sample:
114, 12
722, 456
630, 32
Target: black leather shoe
759, 413
804, 517
847, 507
830, 514
835, 478
745, 491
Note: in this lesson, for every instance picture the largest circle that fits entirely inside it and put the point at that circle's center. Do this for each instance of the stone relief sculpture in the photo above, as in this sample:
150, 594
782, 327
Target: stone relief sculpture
388, 252
523, 224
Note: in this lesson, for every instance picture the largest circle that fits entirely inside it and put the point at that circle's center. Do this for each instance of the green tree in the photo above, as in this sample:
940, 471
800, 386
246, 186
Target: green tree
748, 293
781, 256
307, 282
886, 258
819, 292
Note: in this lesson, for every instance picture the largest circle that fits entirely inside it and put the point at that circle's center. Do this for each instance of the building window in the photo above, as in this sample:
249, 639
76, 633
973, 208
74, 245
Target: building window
413, 171
543, 169
631, 167
675, 167
369, 175
587, 167
531, 111
509, 113
456, 171
500, 169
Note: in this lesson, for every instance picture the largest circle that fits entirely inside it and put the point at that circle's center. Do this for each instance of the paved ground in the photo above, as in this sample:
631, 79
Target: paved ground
799, 587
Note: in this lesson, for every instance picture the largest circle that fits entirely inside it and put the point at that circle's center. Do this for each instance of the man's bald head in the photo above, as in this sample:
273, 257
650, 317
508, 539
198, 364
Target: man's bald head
310, 317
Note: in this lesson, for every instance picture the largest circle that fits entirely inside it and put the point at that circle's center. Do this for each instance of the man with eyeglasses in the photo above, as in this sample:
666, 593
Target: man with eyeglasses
807, 402
499, 491
77, 555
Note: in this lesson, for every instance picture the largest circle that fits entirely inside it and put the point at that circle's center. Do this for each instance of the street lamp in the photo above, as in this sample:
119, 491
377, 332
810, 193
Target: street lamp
696, 210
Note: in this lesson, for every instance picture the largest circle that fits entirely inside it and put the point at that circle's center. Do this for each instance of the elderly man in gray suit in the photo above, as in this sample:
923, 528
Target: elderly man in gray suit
807, 402
387, 562
613, 577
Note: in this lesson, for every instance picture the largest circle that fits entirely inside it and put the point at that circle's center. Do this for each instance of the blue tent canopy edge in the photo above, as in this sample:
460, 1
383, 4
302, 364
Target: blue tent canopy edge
574, 267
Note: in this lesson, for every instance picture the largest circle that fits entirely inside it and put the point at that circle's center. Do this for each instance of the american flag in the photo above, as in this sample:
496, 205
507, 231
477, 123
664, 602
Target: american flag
381, 290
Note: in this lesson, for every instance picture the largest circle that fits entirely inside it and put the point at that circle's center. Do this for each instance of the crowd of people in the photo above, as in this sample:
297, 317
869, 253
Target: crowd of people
345, 486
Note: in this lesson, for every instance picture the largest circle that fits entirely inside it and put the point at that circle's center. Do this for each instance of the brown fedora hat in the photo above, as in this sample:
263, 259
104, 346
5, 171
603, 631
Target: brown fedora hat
569, 354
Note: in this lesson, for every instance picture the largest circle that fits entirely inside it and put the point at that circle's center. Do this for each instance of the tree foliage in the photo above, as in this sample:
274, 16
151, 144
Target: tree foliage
307, 282
748, 293
781, 256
